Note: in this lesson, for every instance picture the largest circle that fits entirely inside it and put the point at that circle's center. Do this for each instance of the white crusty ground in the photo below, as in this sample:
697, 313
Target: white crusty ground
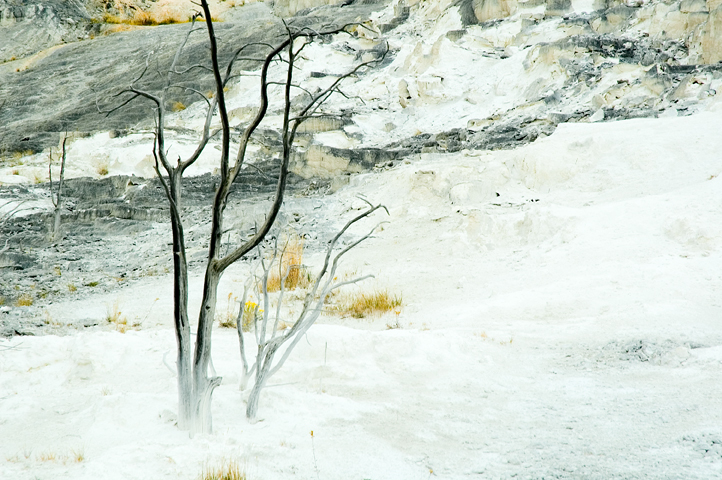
510, 362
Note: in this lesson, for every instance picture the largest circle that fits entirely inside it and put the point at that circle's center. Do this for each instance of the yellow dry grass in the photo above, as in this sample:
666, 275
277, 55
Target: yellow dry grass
77, 456
24, 300
362, 304
116, 317
229, 470
147, 19
101, 168
227, 319
47, 457
163, 12
290, 267
177, 106
74, 455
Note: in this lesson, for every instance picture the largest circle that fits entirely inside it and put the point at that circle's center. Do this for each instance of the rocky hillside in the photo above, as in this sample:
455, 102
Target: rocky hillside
507, 71
462, 75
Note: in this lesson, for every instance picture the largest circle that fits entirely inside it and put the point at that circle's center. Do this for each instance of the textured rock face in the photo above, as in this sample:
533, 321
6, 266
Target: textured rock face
288, 8
27, 26
696, 23
707, 38
45, 95
570, 45
464, 74
99, 217
486, 10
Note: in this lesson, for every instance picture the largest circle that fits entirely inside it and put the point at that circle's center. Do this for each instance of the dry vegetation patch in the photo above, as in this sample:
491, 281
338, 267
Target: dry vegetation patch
143, 18
227, 319
250, 311
290, 269
116, 317
24, 300
229, 470
164, 12
368, 304
75, 455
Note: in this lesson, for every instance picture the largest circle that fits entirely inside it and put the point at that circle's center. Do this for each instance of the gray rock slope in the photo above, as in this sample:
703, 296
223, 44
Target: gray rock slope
673, 43
27, 27
41, 98
619, 60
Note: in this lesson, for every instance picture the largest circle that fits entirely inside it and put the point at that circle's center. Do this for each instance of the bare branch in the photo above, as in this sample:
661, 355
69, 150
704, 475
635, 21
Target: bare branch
323, 95
13, 211
183, 72
171, 70
265, 366
319, 115
335, 239
145, 69
295, 85
350, 282
112, 110
258, 170
240, 50
193, 90
56, 197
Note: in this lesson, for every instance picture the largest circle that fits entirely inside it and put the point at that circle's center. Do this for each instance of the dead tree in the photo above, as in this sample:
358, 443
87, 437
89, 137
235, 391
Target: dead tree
9, 214
56, 195
270, 342
195, 385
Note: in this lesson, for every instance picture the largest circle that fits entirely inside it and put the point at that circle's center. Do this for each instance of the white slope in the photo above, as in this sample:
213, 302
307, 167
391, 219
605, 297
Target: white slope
430, 84
519, 353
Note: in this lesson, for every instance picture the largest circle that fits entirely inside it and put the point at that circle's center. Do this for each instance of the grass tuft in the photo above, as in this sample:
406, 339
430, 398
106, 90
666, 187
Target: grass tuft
147, 19
368, 304
38, 176
227, 319
229, 470
74, 455
24, 300
77, 456
47, 457
116, 317
291, 266
101, 169
177, 106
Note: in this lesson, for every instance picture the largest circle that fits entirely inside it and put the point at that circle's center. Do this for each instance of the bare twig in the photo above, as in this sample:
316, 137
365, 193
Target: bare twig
326, 281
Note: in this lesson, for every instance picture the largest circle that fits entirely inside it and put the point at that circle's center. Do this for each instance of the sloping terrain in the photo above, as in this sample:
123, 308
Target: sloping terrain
551, 171
568, 328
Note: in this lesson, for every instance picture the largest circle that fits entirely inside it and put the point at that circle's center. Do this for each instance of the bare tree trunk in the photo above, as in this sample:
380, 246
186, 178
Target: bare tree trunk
203, 385
56, 222
326, 281
263, 367
180, 310
195, 386
57, 196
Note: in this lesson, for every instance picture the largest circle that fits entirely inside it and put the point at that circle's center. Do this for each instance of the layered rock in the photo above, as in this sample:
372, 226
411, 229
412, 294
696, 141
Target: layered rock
28, 26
